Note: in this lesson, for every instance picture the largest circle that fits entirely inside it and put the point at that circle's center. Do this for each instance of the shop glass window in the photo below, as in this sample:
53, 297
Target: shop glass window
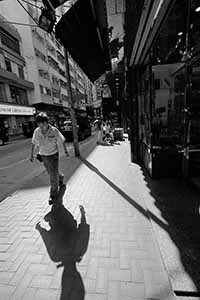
8, 65
168, 55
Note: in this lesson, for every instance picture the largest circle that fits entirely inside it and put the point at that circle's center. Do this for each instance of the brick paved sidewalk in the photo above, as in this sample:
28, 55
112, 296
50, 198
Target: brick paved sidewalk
122, 261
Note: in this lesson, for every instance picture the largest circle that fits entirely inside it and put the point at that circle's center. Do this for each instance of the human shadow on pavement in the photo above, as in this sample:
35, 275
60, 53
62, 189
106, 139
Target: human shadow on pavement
178, 203
66, 244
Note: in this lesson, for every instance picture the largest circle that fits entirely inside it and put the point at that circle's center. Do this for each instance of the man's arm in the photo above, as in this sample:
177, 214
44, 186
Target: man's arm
32, 152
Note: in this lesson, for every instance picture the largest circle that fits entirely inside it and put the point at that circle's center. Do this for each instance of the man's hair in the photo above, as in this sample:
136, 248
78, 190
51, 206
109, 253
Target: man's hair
42, 118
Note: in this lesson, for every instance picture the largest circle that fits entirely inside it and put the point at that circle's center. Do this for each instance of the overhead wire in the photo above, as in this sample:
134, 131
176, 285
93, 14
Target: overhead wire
17, 23
27, 11
34, 5
25, 24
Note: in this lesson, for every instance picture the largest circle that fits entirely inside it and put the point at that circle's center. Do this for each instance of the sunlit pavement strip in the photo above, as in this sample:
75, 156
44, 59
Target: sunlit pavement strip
122, 262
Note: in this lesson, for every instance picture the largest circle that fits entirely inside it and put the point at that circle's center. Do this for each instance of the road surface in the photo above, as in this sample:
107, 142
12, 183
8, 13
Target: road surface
15, 167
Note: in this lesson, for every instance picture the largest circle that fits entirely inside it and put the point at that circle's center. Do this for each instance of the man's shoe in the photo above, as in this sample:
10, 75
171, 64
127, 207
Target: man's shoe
52, 200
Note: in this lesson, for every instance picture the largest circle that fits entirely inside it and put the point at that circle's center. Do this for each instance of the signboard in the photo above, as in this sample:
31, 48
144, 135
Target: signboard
106, 92
16, 110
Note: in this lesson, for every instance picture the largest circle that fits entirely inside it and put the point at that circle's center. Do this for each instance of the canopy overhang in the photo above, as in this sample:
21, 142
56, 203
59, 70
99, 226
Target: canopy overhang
83, 32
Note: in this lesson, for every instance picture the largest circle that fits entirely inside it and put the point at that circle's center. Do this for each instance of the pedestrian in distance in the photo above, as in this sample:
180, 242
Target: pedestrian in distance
47, 139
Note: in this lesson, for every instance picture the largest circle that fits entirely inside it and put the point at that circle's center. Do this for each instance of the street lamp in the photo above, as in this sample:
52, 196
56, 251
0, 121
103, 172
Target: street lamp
47, 20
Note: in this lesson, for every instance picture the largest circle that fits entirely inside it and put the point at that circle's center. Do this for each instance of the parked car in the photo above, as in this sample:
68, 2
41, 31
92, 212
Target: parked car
83, 128
28, 128
4, 134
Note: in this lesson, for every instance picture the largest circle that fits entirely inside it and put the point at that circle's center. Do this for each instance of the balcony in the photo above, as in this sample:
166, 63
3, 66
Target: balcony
9, 77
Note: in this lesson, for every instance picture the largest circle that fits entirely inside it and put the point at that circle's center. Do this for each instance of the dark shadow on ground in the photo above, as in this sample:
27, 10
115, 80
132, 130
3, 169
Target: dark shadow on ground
66, 244
142, 210
145, 212
179, 203
179, 206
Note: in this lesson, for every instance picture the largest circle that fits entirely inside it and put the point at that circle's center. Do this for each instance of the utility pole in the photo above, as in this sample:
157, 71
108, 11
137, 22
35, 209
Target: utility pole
71, 106
187, 95
46, 22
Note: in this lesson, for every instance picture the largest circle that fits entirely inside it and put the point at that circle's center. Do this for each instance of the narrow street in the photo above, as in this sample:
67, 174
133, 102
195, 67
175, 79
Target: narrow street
121, 261
15, 167
115, 216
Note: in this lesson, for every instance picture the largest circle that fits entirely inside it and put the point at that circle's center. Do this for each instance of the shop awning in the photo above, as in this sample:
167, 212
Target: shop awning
83, 32
153, 16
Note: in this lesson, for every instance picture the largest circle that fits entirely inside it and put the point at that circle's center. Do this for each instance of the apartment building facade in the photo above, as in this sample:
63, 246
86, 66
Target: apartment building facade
78, 84
45, 60
16, 91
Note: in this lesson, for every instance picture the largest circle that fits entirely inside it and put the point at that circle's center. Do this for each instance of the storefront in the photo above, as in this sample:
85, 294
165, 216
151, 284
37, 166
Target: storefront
14, 116
164, 81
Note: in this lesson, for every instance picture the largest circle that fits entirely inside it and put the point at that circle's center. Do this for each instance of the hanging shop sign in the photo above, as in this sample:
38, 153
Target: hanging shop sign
16, 110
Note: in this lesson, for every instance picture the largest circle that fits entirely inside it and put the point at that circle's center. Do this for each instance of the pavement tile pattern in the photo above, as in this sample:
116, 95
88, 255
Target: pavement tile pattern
112, 256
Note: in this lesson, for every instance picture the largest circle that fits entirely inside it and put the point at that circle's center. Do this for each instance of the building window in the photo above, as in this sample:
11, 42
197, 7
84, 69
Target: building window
37, 35
10, 42
63, 84
8, 65
53, 63
3, 97
43, 73
62, 72
56, 93
60, 58
58, 45
51, 49
55, 80
52, 37
39, 54
45, 91
64, 98
21, 71
18, 95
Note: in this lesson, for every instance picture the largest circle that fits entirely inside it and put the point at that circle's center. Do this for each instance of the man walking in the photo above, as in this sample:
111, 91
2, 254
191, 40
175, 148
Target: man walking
47, 139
